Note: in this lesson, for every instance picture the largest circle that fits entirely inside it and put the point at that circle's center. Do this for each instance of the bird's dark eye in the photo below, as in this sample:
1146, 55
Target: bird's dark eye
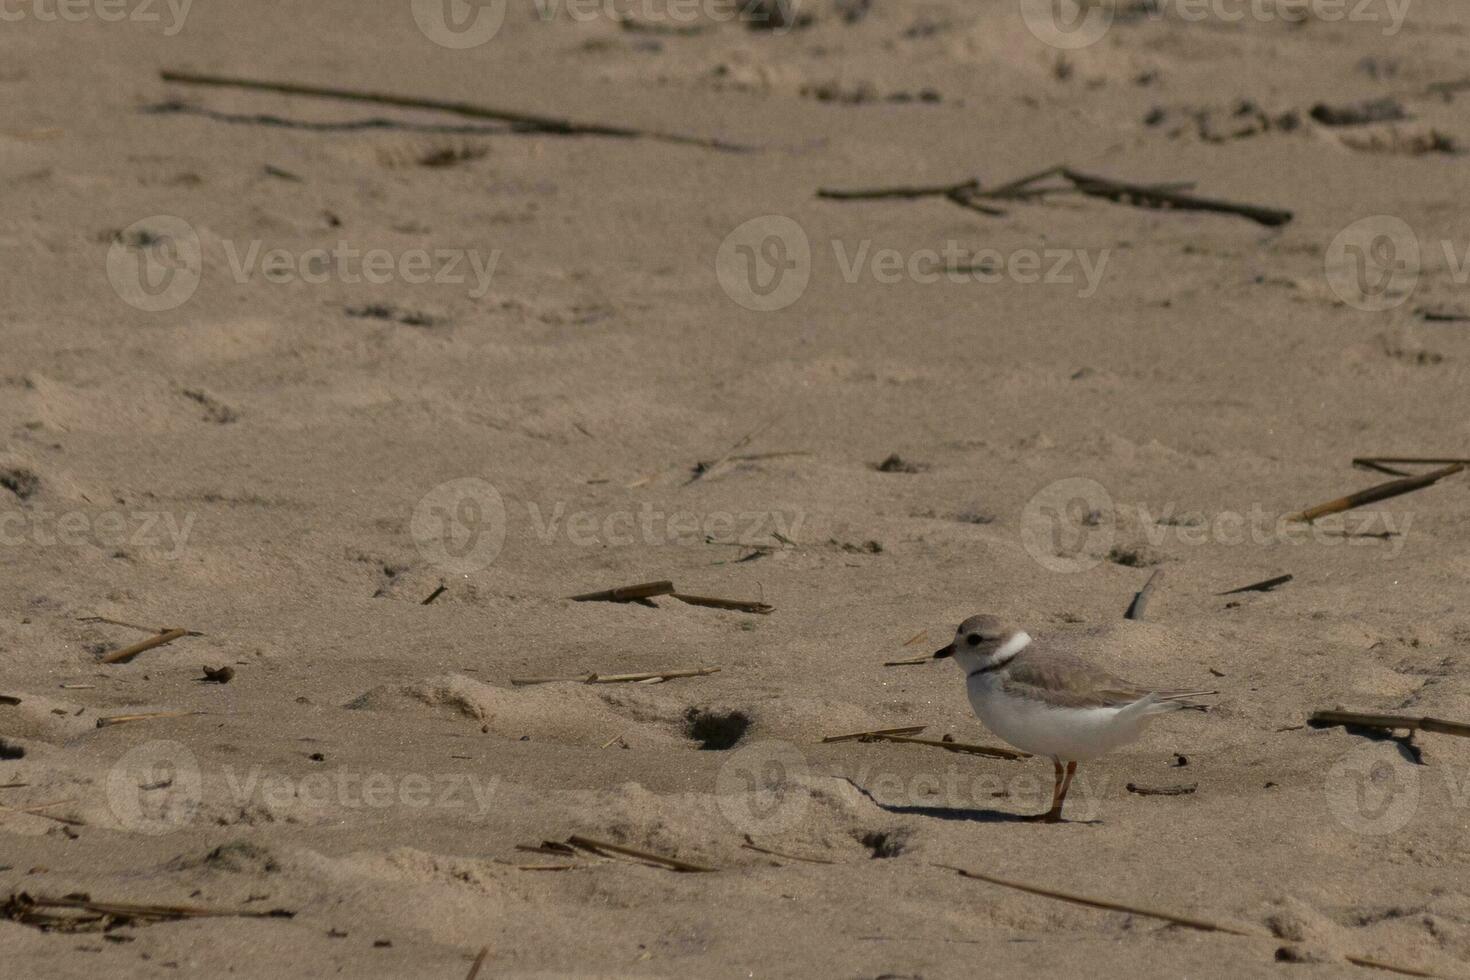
973, 639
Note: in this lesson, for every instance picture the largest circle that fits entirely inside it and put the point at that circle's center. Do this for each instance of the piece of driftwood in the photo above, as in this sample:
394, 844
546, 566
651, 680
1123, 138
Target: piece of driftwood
79, 913
628, 593
1174, 789
1140, 598
605, 848
964, 747
739, 605
1266, 585
1382, 491
1327, 719
855, 736
519, 121
129, 652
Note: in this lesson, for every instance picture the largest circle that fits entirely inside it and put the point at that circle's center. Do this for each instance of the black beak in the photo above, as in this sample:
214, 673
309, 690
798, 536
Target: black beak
946, 652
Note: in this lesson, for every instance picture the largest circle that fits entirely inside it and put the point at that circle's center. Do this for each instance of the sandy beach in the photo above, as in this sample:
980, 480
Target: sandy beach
358, 391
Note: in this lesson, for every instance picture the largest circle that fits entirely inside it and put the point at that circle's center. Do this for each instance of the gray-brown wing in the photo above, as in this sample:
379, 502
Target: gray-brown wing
1064, 679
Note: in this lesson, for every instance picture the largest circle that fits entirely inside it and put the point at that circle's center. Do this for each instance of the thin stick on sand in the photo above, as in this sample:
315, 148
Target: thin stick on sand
35, 810
627, 593
32, 909
1388, 722
131, 626
1373, 494
856, 736
1141, 597
909, 662
702, 470
659, 675
519, 121
1263, 586
479, 962
146, 716
751, 845
129, 652
1140, 195
604, 848
1188, 922
739, 605
964, 747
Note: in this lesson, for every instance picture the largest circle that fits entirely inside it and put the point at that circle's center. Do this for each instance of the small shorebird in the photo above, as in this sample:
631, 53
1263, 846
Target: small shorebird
1047, 701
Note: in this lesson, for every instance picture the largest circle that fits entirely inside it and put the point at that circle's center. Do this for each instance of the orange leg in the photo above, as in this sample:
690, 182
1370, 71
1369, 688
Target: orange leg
1058, 793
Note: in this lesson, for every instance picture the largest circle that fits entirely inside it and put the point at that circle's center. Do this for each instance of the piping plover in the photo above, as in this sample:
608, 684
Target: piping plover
1047, 701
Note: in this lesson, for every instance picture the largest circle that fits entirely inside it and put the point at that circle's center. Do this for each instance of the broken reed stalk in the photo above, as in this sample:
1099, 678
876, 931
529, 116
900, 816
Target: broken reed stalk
965, 747
661, 675
910, 662
855, 736
739, 605
1176, 789
1263, 586
519, 121
128, 653
751, 845
1411, 460
1389, 722
1373, 494
1141, 597
20, 904
479, 962
1141, 195
1188, 922
702, 470
35, 811
604, 848
147, 716
1173, 196
627, 593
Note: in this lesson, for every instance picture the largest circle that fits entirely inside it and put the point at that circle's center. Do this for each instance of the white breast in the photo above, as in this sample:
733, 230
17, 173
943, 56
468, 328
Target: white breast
1069, 734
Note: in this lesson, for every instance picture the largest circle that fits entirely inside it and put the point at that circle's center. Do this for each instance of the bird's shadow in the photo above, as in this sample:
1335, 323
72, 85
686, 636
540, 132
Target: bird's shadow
961, 814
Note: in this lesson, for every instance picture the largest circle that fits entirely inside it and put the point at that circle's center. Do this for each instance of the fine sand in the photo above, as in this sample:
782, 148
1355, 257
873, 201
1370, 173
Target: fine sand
291, 459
